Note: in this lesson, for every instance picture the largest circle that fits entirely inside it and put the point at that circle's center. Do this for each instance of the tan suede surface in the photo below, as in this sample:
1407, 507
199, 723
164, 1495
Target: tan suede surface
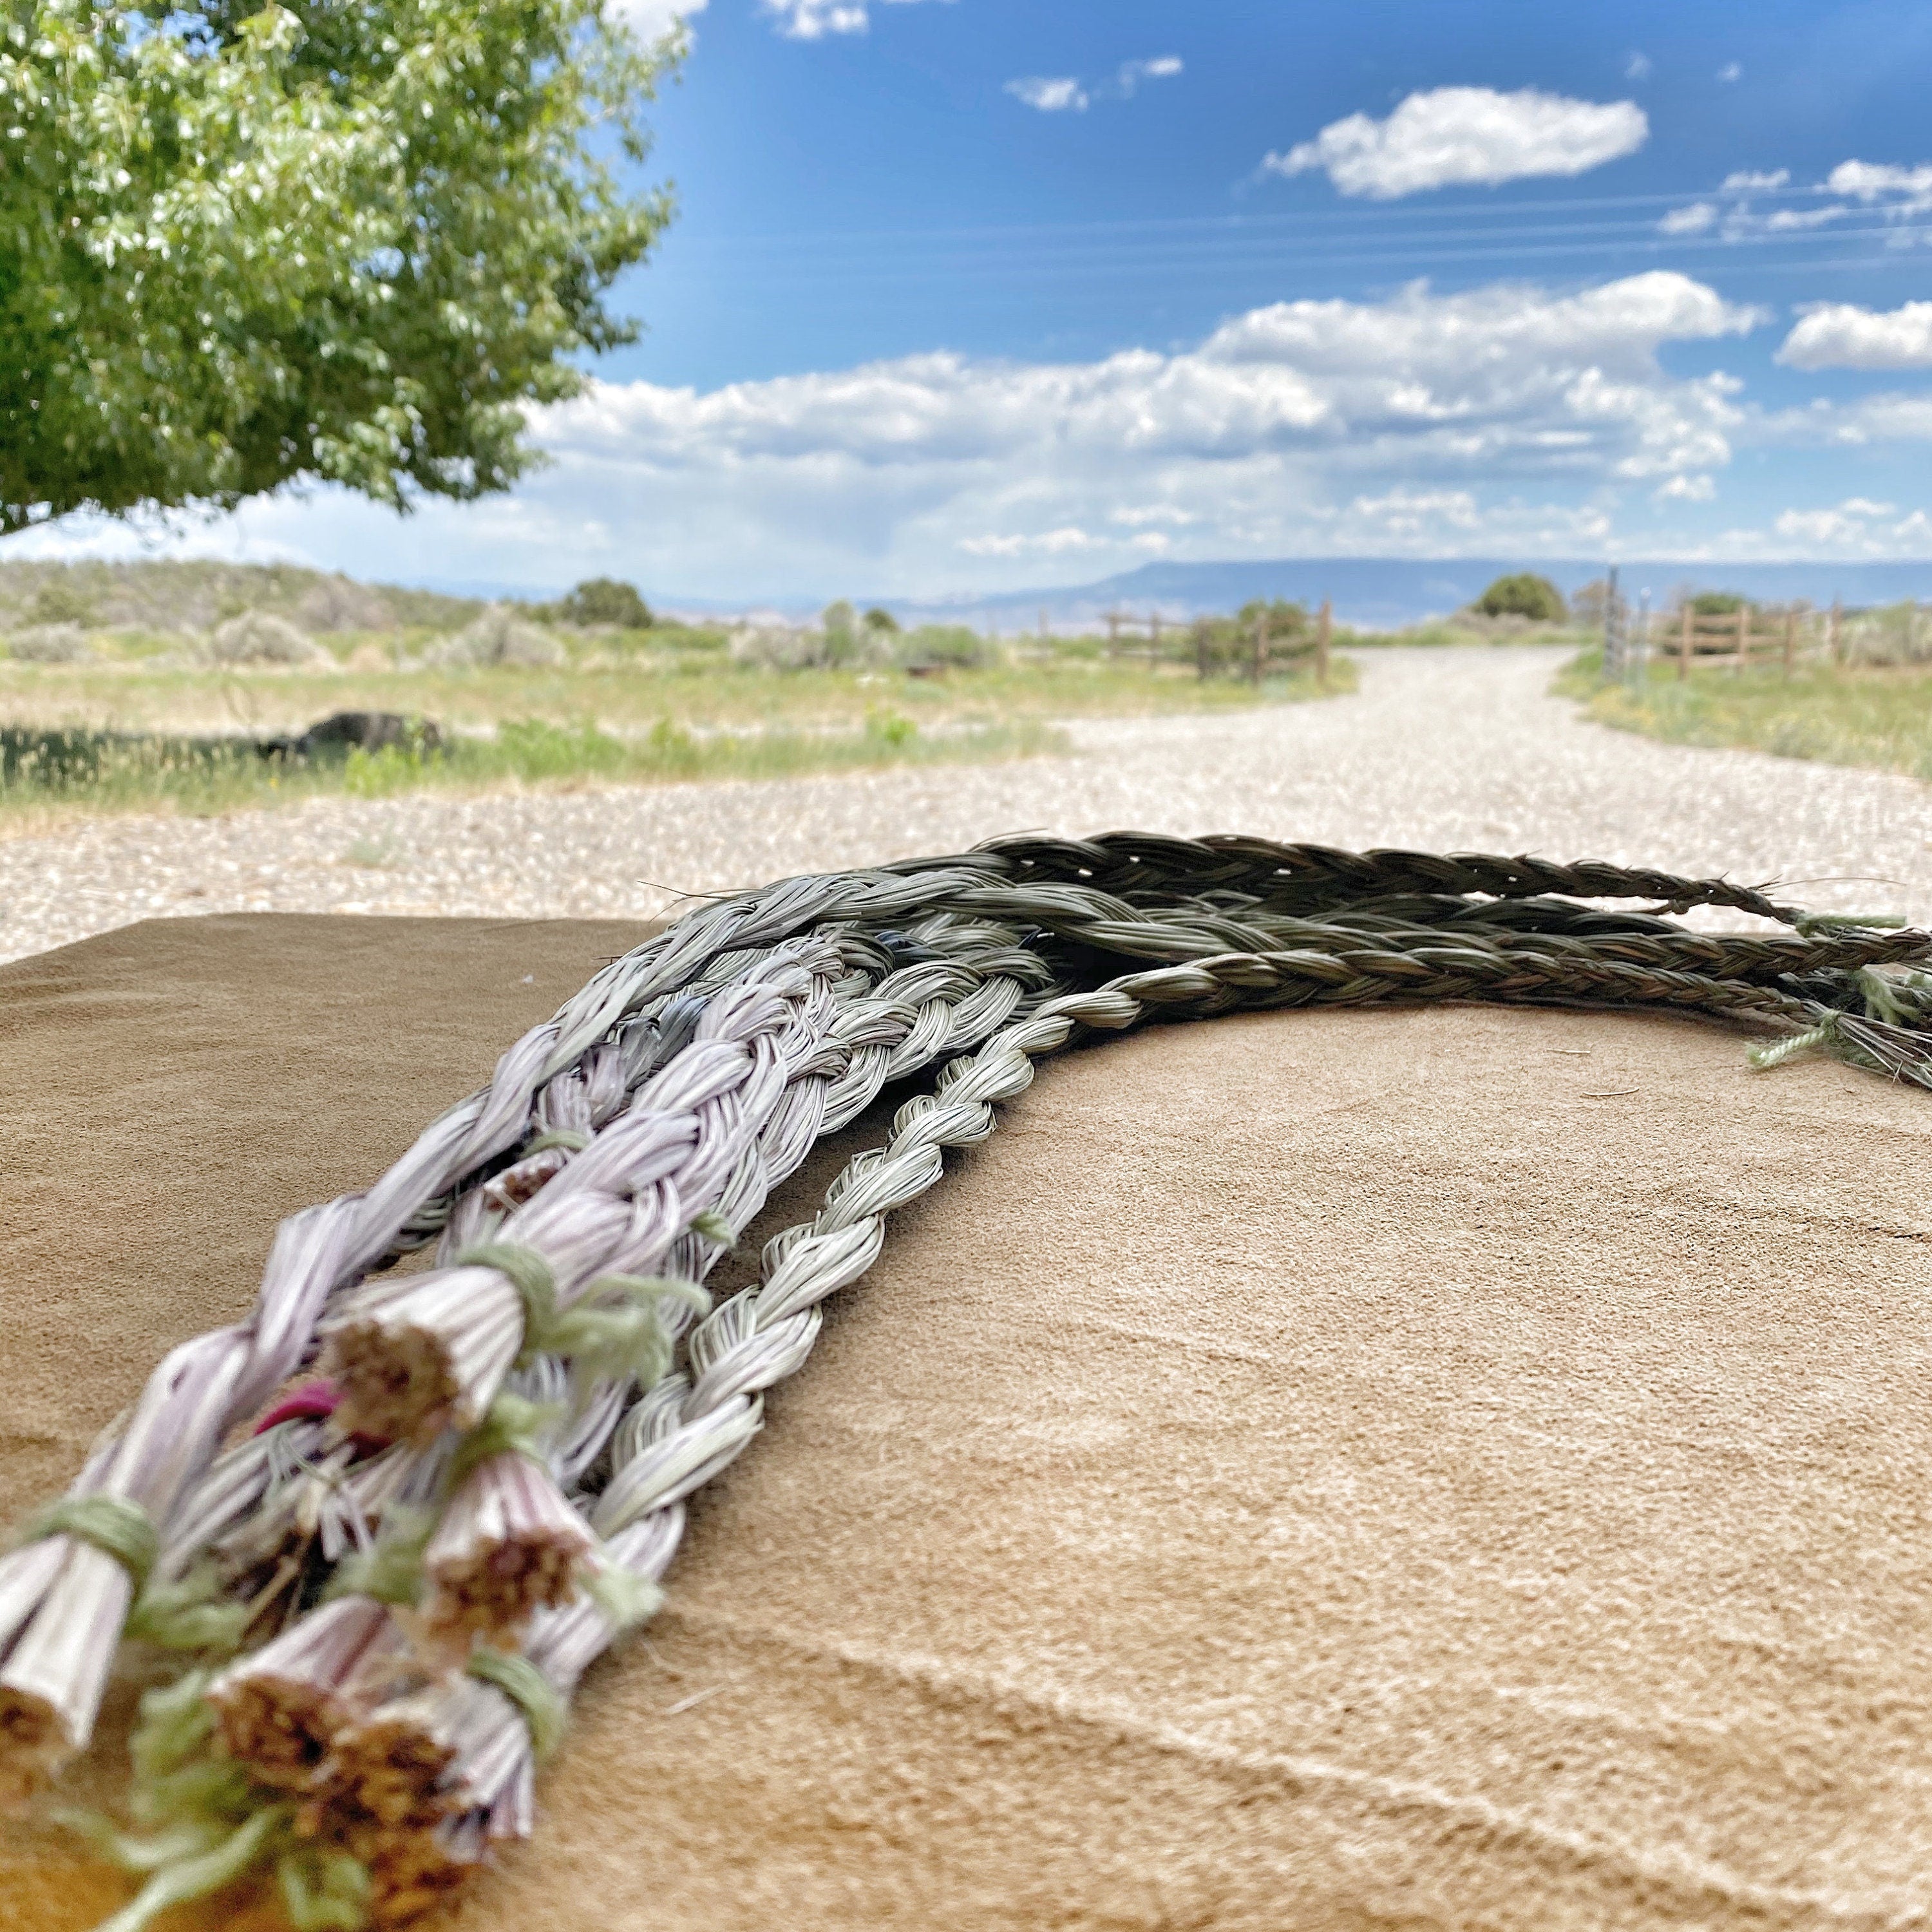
1398, 1469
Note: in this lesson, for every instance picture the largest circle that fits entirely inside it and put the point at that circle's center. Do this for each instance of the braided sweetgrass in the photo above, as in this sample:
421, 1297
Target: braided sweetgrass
388, 1519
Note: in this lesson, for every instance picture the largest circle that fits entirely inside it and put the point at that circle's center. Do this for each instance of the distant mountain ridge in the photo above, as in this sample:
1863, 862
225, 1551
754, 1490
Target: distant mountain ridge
1383, 592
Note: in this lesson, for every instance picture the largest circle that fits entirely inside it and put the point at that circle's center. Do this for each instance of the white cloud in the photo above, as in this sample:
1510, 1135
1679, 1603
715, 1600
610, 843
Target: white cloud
1858, 527
1734, 217
1852, 425
1163, 66
652, 20
1840, 335
1637, 67
1429, 423
1056, 94
1425, 396
813, 20
1694, 220
1047, 543
1909, 189
1730, 71
1685, 490
1467, 135
1050, 96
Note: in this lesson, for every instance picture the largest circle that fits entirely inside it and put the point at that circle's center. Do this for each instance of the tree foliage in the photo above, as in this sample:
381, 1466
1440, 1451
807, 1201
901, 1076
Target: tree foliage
347, 240
1279, 619
1523, 595
602, 600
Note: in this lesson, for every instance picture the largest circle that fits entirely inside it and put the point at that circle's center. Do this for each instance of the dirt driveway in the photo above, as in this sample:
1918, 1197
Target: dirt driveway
1443, 749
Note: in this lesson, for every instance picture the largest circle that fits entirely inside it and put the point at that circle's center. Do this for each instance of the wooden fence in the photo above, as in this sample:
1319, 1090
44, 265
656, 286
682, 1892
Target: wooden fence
1746, 636
1265, 651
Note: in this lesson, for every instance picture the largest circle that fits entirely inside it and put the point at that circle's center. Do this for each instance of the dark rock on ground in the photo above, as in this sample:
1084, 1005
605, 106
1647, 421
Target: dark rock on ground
343, 732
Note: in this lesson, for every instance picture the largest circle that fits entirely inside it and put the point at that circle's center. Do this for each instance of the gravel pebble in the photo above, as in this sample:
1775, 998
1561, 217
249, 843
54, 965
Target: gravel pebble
1443, 750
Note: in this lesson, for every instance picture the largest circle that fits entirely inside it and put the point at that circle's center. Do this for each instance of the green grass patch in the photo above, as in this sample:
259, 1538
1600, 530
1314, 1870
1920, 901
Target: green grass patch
110, 772
141, 731
626, 688
1880, 717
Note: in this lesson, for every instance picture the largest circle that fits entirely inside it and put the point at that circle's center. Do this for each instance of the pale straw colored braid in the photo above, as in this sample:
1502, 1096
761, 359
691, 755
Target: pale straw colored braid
1383, 907
918, 1012
476, 1790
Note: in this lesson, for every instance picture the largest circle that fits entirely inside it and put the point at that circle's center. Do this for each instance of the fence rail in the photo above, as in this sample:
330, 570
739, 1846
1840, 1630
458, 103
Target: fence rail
1744, 637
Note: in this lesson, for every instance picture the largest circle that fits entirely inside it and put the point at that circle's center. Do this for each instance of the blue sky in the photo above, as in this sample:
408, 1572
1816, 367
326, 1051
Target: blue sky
974, 294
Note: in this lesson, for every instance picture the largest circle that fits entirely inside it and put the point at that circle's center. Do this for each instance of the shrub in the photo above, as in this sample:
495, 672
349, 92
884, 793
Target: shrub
839, 645
337, 603
778, 647
1717, 603
1282, 618
604, 601
50, 643
843, 643
880, 619
257, 637
953, 646
59, 602
1524, 594
500, 637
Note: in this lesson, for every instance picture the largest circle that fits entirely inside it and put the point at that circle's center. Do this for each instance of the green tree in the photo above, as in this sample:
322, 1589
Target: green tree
1281, 618
343, 240
1524, 594
605, 600
840, 623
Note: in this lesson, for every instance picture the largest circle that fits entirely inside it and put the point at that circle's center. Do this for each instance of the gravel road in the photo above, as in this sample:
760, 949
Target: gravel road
1445, 750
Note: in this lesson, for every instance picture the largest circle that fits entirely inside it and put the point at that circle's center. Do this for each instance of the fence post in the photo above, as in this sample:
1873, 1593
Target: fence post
1324, 627
1744, 637
1113, 634
1790, 640
1200, 648
1689, 616
1261, 648
1637, 647
1612, 663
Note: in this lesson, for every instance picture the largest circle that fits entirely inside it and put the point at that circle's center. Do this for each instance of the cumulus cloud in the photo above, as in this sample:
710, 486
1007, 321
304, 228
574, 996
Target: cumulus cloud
1637, 67
1694, 220
1047, 543
1464, 136
652, 20
1731, 70
1051, 96
1685, 490
1059, 94
1869, 419
1510, 416
1328, 422
1735, 214
1163, 66
1869, 182
1858, 527
1840, 335
813, 19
